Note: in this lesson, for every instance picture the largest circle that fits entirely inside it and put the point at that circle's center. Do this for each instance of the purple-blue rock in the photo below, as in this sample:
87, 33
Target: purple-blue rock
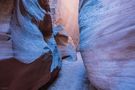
107, 43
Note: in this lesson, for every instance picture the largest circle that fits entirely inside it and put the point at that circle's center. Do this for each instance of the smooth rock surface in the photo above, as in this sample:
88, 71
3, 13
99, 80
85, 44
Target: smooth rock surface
107, 31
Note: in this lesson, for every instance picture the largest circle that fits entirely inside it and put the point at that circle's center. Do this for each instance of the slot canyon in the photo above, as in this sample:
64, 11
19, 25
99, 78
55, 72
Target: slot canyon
67, 45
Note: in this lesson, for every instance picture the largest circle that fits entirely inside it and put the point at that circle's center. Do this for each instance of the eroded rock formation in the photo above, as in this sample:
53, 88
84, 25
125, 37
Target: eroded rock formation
29, 56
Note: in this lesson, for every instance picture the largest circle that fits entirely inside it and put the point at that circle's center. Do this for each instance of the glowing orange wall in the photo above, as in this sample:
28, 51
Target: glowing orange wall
67, 14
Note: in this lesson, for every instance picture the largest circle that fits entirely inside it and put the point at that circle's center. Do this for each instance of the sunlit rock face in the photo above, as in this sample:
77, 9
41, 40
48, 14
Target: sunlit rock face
67, 15
107, 43
65, 27
29, 56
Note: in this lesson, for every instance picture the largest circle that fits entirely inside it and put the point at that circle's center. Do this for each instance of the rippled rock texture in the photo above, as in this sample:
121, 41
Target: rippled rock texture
107, 43
29, 56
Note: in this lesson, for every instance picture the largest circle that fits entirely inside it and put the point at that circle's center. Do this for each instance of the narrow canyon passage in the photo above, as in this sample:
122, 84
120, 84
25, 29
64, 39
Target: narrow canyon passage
72, 76
67, 45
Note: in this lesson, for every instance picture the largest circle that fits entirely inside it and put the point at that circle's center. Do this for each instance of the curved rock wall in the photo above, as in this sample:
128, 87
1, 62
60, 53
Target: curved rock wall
107, 43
